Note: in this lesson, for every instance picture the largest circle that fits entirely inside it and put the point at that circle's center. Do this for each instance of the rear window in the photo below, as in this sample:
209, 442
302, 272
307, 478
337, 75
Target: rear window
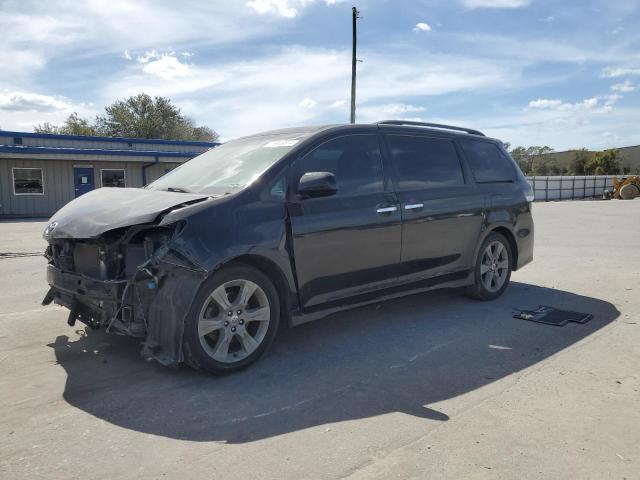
423, 162
487, 162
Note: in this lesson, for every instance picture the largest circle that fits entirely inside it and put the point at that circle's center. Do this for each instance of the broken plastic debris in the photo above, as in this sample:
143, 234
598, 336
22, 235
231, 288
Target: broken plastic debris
552, 316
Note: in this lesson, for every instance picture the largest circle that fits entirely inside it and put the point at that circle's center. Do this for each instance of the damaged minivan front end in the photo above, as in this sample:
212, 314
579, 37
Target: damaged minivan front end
134, 279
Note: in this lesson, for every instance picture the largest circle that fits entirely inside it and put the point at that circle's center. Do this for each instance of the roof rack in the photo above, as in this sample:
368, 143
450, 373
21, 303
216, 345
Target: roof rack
433, 125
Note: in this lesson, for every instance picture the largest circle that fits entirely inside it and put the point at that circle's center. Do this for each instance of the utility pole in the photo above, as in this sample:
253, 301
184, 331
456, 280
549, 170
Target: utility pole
355, 14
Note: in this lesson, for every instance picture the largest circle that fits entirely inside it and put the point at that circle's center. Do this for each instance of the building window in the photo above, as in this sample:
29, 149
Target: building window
113, 178
27, 181
17, 140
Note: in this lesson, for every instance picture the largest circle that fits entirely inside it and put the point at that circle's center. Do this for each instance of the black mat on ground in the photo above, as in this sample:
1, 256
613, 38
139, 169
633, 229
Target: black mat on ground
552, 316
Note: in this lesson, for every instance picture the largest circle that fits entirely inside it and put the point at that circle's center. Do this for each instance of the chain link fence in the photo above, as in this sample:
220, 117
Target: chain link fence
561, 187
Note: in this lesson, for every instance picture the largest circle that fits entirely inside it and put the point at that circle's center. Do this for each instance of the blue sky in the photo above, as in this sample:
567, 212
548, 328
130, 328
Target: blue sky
531, 72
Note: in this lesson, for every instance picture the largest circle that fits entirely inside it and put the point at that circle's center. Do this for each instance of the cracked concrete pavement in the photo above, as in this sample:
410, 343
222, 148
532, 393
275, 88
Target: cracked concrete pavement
431, 386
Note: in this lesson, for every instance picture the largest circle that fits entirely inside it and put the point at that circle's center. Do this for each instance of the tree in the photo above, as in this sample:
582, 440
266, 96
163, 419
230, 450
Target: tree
73, 125
519, 155
525, 157
141, 116
553, 168
604, 163
540, 168
579, 161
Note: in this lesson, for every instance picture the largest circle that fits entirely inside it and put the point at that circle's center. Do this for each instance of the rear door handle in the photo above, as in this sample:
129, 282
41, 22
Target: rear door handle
413, 206
387, 209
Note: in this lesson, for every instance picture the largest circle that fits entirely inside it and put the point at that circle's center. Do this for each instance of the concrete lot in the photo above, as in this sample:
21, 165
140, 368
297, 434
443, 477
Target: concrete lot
433, 386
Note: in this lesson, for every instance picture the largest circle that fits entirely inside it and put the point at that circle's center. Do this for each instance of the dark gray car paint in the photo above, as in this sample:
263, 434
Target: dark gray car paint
266, 231
105, 209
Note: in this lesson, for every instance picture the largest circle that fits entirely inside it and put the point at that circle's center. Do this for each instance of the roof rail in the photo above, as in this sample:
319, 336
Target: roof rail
433, 125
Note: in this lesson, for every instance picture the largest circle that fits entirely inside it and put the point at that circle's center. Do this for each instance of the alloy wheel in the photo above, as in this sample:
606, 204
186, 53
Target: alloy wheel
494, 267
234, 320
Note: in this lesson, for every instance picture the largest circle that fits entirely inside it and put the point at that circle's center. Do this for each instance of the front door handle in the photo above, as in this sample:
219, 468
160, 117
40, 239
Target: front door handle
413, 206
387, 209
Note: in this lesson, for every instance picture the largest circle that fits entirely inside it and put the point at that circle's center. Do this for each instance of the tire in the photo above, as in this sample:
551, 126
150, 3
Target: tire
225, 333
629, 191
499, 270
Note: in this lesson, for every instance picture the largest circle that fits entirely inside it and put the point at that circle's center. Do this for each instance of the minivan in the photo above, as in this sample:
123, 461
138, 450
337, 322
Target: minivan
283, 227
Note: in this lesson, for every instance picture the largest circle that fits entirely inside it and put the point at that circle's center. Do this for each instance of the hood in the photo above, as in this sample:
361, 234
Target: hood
104, 209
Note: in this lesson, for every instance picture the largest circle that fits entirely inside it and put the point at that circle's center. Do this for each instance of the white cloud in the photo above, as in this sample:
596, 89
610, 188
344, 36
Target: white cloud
126, 55
338, 104
148, 56
611, 99
592, 104
401, 108
307, 103
284, 8
422, 27
35, 33
262, 86
496, 3
624, 87
242, 96
21, 110
33, 102
562, 130
279, 7
166, 66
545, 103
613, 72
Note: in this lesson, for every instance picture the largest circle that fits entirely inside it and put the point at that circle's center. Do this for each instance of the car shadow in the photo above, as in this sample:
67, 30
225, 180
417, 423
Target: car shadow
400, 356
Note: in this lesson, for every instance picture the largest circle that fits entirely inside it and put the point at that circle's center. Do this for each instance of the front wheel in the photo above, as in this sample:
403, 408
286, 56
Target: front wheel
233, 320
492, 269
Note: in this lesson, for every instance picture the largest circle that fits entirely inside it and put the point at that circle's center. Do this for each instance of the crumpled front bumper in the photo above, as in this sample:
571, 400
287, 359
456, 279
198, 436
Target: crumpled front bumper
153, 307
92, 301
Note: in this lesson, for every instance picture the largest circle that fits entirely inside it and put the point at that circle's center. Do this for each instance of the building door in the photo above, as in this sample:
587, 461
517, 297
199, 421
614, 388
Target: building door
83, 180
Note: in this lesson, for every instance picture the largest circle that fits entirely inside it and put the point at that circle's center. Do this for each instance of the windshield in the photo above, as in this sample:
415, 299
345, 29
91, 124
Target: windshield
229, 166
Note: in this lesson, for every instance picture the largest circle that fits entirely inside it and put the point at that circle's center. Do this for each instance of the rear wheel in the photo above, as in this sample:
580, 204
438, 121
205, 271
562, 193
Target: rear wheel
232, 321
492, 269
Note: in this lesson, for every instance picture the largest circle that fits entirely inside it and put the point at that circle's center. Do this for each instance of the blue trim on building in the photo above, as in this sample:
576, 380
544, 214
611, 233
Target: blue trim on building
94, 151
50, 136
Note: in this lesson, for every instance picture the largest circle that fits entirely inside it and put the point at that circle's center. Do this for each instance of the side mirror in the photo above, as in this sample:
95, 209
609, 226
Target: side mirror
317, 184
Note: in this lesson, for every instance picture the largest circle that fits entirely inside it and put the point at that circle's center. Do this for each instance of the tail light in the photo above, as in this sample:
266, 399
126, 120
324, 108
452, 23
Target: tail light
529, 193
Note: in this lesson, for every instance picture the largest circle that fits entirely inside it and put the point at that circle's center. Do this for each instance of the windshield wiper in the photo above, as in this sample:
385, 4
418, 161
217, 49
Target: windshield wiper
177, 189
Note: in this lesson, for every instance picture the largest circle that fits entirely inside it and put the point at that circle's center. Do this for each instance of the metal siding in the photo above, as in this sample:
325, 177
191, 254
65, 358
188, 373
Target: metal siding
156, 171
57, 169
107, 143
5, 187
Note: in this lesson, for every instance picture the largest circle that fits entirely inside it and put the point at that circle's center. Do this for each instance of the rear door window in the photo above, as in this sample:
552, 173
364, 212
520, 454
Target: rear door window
424, 162
487, 162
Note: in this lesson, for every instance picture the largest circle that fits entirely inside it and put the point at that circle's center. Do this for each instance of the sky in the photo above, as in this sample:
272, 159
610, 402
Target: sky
530, 72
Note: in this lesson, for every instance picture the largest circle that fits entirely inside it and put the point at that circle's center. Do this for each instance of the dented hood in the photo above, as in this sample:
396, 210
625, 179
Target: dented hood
107, 208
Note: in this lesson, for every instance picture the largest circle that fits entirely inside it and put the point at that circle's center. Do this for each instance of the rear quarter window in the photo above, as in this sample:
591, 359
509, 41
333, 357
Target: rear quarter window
488, 164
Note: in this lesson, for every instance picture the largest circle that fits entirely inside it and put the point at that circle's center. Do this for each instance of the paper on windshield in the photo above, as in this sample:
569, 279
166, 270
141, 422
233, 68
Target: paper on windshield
280, 143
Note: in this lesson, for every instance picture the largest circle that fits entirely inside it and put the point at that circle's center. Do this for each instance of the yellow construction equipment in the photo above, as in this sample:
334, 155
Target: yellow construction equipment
627, 188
